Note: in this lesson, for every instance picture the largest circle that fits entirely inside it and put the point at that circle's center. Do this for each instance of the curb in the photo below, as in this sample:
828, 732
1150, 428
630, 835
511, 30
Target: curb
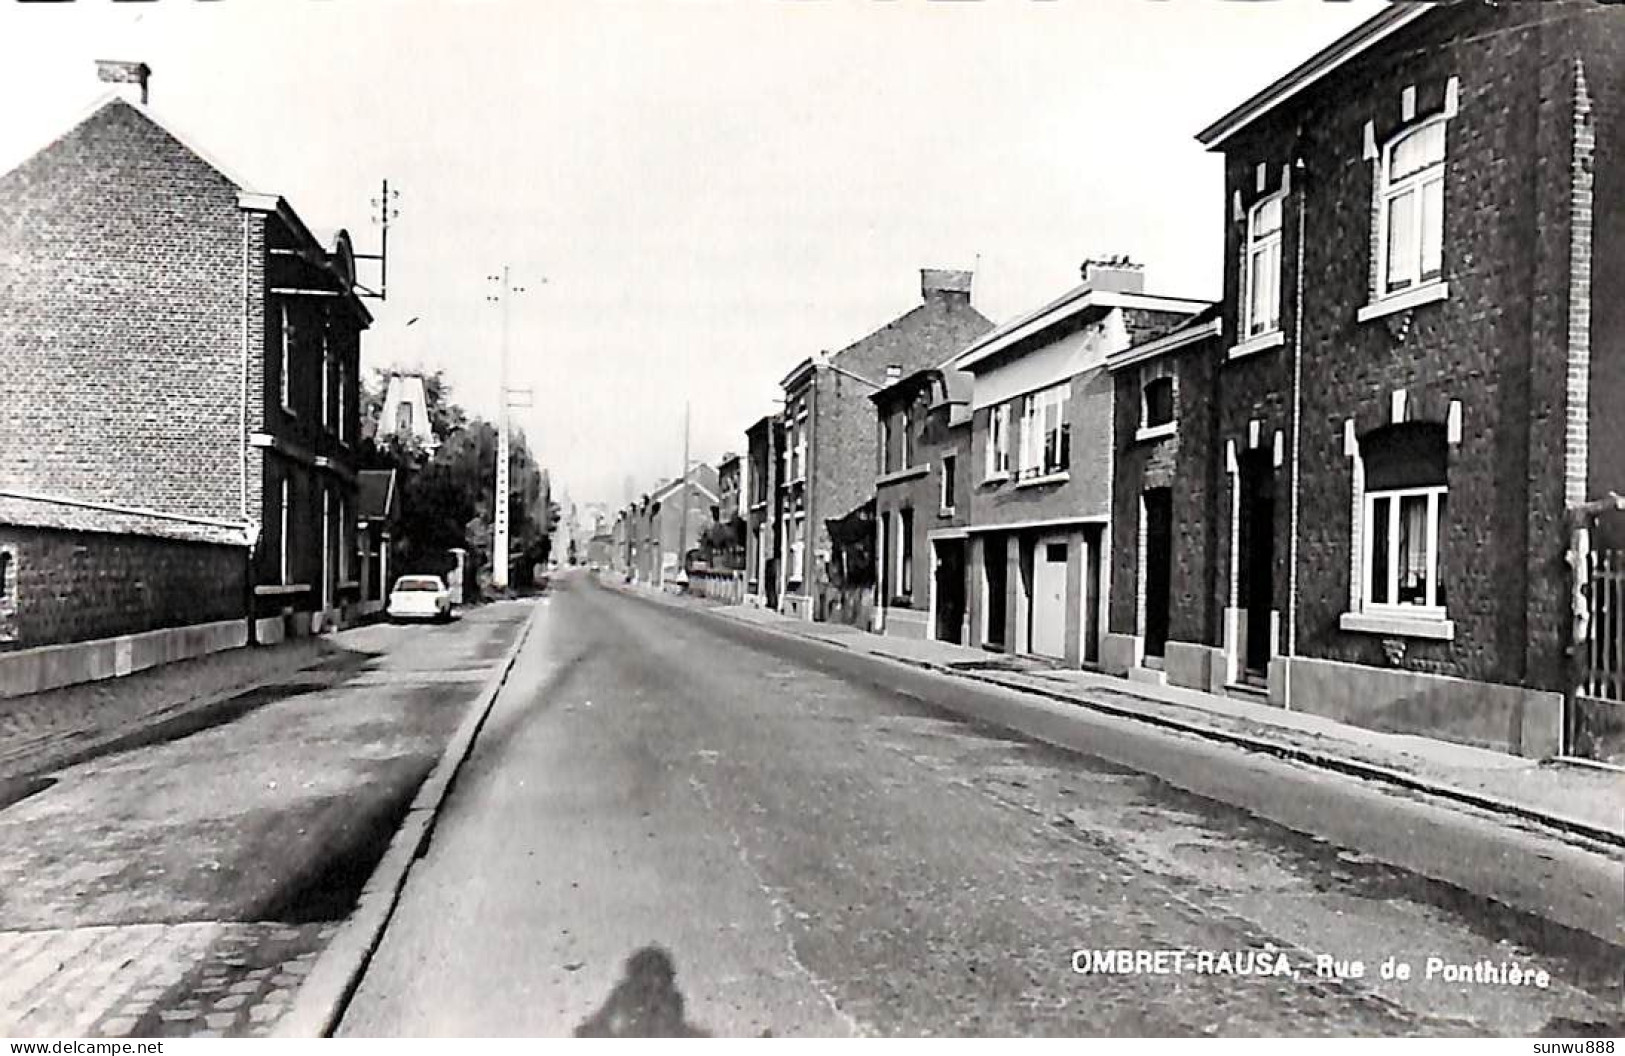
1354, 768
326, 993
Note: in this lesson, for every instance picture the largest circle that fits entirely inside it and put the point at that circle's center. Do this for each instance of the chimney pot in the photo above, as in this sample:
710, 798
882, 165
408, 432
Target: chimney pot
1118, 274
893, 373
130, 77
943, 282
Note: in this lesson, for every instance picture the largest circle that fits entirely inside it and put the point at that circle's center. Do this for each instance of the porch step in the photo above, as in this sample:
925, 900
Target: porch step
1148, 676
1248, 691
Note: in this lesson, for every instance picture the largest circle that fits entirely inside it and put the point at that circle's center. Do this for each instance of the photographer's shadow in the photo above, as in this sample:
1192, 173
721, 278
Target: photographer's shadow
644, 1004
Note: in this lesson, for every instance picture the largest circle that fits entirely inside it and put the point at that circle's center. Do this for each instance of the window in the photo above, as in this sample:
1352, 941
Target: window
1263, 267
1045, 433
1405, 511
998, 442
1157, 396
5, 569
888, 463
285, 359
403, 418
949, 465
344, 404
905, 552
908, 436
1411, 210
327, 382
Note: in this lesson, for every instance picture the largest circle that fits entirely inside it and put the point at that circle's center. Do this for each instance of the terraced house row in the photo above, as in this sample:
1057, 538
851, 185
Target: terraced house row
1375, 481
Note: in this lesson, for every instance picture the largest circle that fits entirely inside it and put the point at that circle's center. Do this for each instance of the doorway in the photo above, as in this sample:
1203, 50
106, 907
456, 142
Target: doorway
1046, 631
1256, 582
1158, 512
995, 574
950, 590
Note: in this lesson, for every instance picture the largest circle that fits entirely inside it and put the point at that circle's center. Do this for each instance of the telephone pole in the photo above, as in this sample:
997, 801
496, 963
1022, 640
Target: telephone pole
499, 543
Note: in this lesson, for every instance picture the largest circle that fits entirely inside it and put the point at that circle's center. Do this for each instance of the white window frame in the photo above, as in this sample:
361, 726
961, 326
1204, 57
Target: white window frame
998, 443
327, 381
1154, 371
1430, 610
1035, 432
946, 486
344, 403
1255, 245
908, 437
1416, 183
285, 339
905, 554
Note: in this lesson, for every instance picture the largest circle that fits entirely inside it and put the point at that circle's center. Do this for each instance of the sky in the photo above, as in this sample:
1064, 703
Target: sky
695, 195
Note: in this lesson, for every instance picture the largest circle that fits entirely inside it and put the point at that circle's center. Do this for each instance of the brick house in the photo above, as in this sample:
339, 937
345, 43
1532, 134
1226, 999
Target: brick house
378, 506
727, 548
827, 468
922, 503
1162, 615
667, 535
1041, 459
1424, 275
764, 441
154, 307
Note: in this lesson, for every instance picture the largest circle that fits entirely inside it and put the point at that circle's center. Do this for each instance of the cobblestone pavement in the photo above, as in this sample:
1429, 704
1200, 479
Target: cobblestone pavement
185, 888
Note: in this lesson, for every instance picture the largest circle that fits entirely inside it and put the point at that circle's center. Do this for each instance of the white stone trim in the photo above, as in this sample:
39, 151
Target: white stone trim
1399, 302
1397, 626
1263, 342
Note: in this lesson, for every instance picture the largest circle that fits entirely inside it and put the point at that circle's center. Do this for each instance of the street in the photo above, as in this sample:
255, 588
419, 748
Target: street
671, 824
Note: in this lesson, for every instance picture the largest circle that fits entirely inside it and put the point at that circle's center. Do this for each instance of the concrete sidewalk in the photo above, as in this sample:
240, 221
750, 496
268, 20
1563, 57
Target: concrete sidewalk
1579, 800
188, 888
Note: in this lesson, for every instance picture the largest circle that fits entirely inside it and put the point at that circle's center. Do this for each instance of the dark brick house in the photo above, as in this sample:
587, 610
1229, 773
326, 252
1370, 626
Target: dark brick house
764, 441
828, 464
1162, 615
922, 503
1424, 307
157, 311
1041, 455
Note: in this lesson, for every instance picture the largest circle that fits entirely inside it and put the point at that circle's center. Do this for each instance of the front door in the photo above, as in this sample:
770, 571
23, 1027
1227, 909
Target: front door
1159, 510
995, 573
1257, 539
950, 589
1047, 632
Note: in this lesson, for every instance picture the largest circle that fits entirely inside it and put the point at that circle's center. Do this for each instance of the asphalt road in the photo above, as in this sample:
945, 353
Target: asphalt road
673, 823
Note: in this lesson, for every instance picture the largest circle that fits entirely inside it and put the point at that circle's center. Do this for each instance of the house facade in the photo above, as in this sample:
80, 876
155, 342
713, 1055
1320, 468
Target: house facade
1163, 617
157, 308
826, 470
676, 519
922, 504
764, 442
1424, 280
1041, 455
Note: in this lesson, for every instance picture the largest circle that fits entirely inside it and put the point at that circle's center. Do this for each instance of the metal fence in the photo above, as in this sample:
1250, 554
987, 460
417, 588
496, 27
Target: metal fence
1603, 647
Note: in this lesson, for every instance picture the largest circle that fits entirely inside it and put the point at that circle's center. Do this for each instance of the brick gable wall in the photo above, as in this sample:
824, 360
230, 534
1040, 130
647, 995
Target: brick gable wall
121, 340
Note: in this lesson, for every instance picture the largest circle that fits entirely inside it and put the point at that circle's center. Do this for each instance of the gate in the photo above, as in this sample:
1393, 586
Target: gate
1596, 720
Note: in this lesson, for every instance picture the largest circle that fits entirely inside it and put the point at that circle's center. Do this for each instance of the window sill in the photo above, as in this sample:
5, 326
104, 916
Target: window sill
274, 589
1048, 478
946, 511
1399, 302
996, 478
1261, 343
1399, 626
1155, 432
907, 473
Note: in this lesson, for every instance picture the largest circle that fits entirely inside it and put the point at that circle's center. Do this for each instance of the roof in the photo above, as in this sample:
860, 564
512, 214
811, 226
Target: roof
1080, 300
671, 486
249, 194
1204, 324
1357, 41
376, 498
74, 515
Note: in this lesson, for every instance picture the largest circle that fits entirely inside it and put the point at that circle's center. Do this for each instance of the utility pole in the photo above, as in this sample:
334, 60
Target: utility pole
682, 525
384, 211
499, 544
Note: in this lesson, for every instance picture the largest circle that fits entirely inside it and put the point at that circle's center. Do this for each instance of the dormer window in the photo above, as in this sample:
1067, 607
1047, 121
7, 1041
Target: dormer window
1411, 210
1263, 268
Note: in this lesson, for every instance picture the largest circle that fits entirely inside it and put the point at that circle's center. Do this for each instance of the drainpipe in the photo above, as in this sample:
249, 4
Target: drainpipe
1299, 172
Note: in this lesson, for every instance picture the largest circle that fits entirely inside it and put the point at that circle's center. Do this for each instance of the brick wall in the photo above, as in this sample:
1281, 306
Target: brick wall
121, 332
1086, 493
79, 586
1185, 462
845, 432
1498, 344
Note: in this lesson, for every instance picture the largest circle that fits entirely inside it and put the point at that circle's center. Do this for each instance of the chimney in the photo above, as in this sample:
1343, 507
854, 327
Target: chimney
1117, 274
944, 284
130, 77
894, 374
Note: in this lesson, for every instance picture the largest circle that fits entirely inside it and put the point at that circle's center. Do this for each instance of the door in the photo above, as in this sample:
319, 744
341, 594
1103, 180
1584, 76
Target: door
1257, 546
950, 589
1158, 558
995, 573
1047, 632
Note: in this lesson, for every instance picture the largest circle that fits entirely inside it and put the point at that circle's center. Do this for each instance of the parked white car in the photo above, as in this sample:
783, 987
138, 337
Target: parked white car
419, 598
